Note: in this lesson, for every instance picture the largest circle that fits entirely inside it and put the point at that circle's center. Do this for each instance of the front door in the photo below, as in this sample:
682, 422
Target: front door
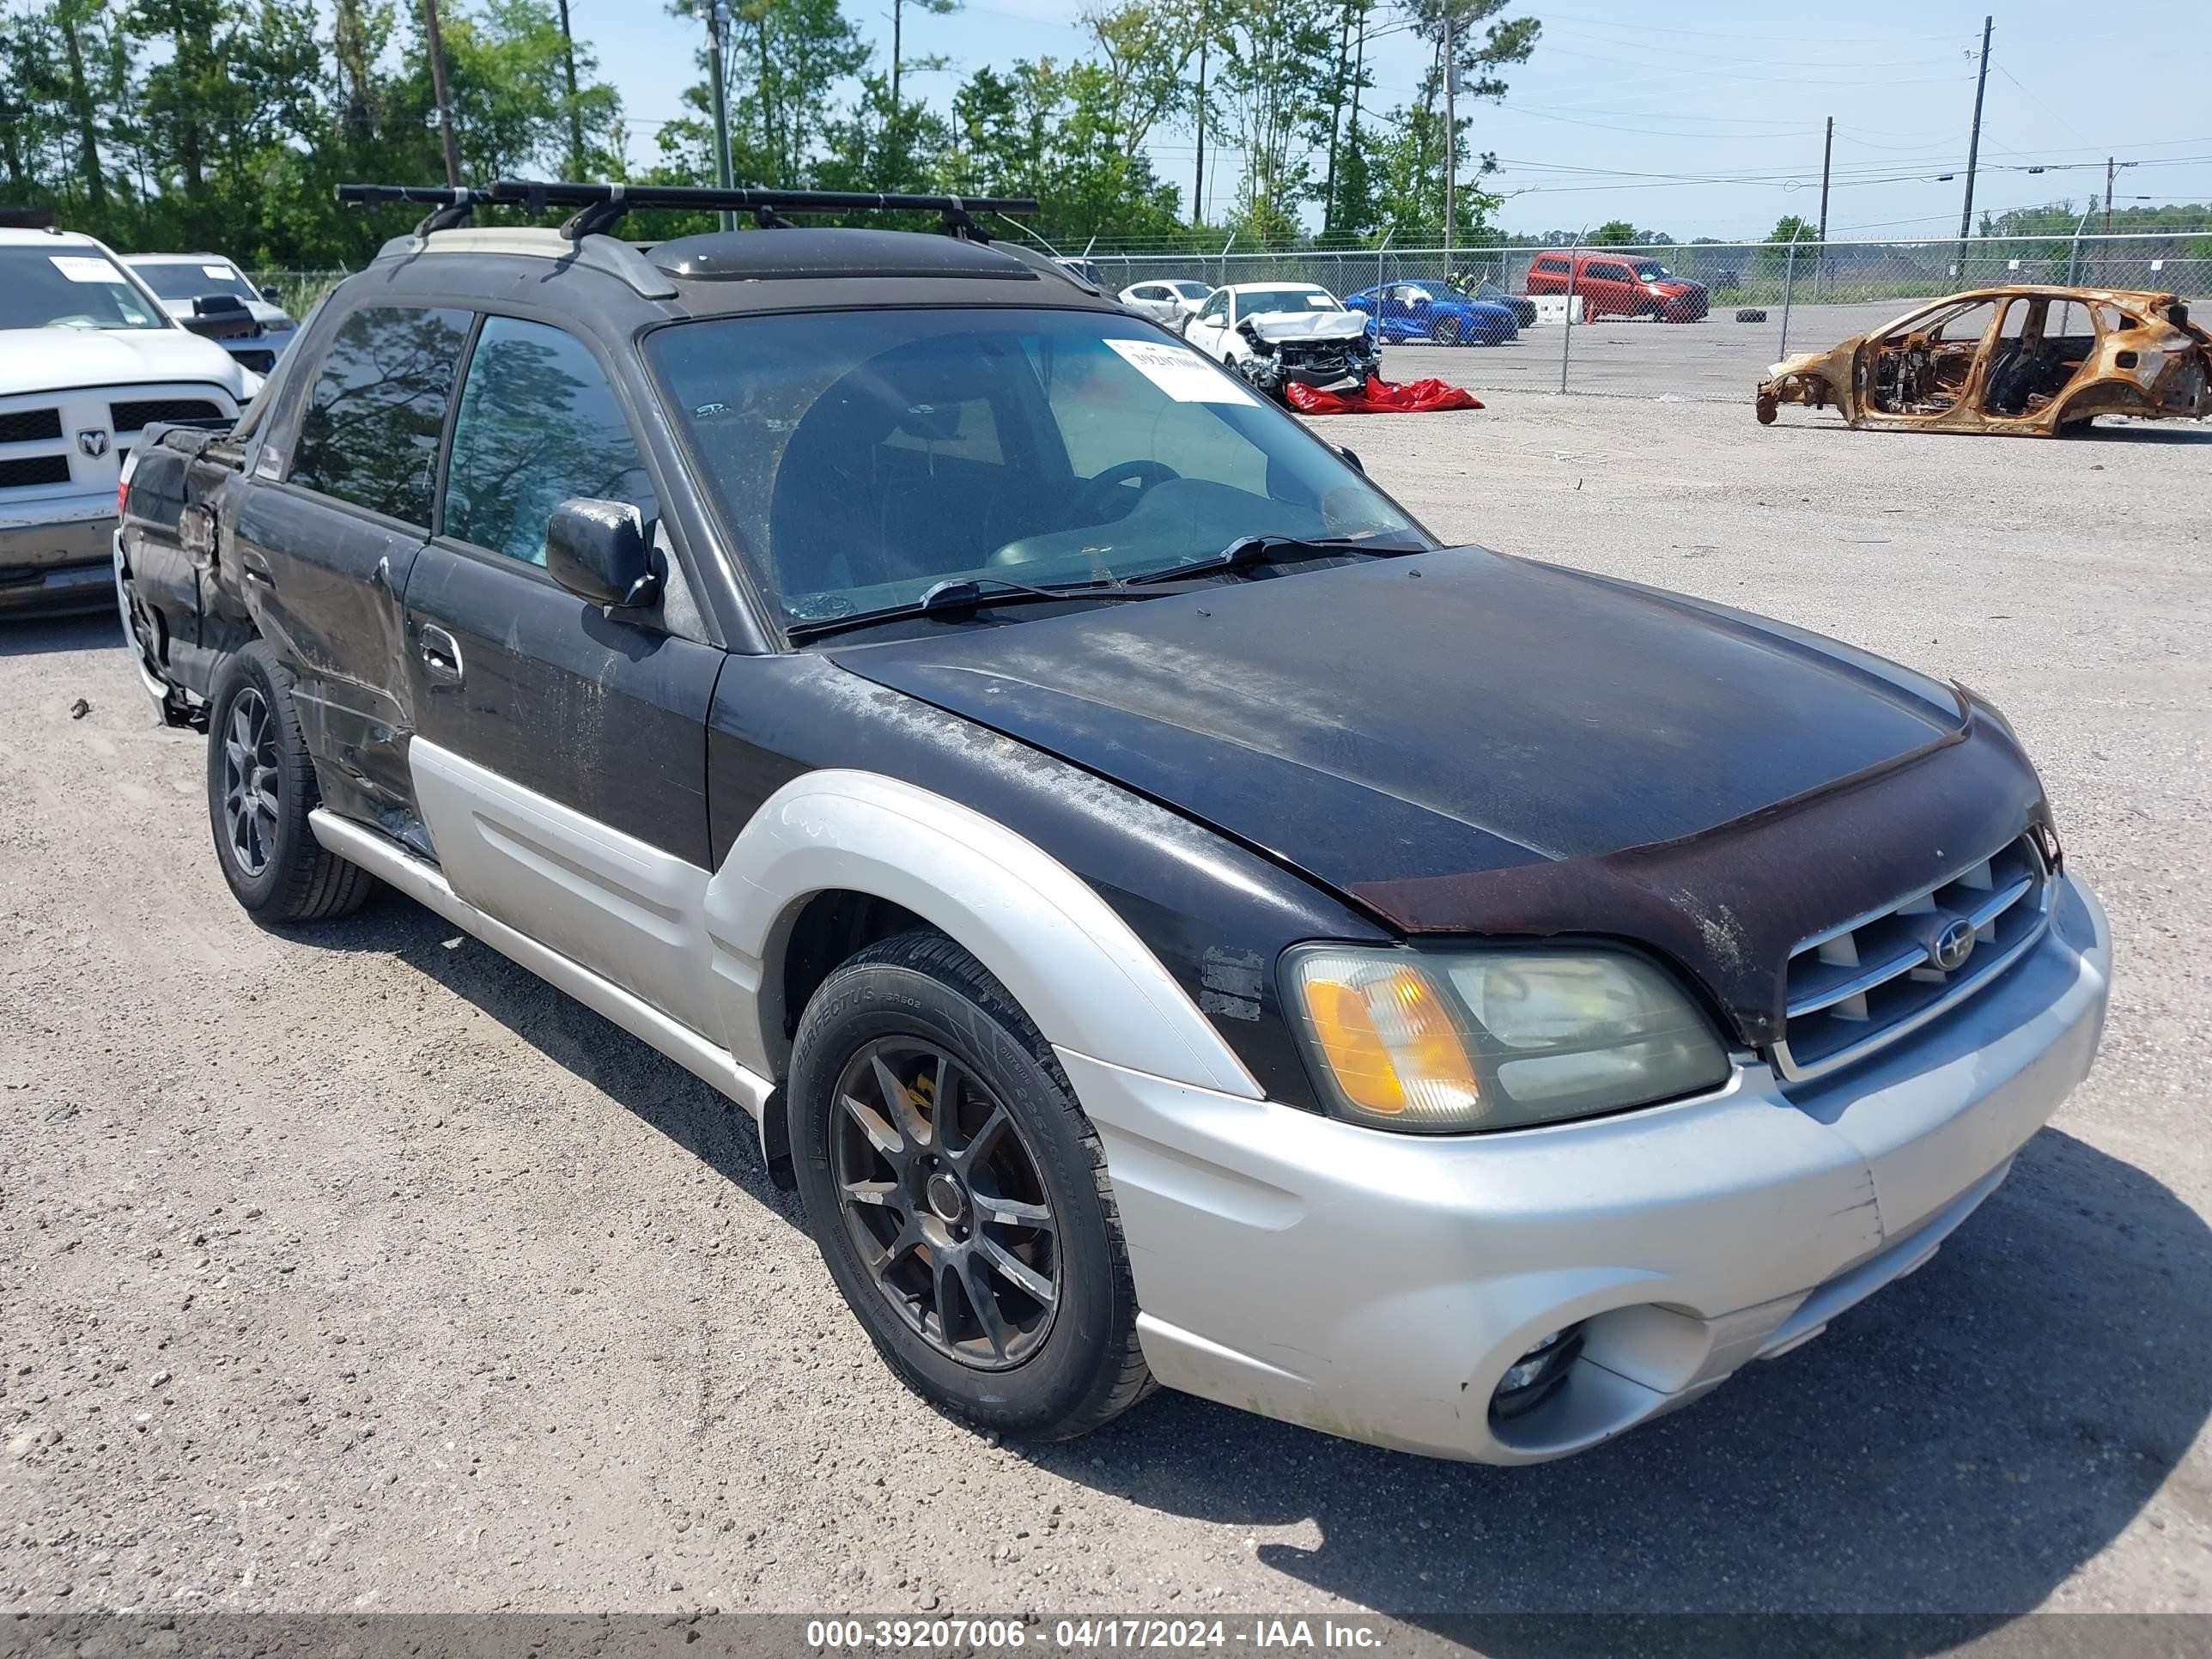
324, 554
560, 753
1209, 329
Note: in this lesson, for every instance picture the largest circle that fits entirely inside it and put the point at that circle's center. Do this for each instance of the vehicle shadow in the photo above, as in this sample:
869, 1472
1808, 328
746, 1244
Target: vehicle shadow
33, 636
2136, 434
1955, 1449
1958, 1445
639, 1077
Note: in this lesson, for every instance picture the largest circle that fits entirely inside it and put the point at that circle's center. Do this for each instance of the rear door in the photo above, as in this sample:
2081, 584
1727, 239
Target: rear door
560, 752
325, 540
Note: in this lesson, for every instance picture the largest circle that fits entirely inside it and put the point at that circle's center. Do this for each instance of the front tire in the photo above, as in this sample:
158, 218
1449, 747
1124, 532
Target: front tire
959, 1196
1445, 330
261, 787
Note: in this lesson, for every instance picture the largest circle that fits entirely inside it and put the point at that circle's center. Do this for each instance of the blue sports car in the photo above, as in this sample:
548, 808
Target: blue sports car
1412, 308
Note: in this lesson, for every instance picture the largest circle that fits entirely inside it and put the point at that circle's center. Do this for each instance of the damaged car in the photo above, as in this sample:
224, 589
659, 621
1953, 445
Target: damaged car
1172, 918
1276, 334
2030, 361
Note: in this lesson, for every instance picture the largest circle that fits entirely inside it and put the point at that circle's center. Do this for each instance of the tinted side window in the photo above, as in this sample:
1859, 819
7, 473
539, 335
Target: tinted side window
1608, 273
370, 434
539, 424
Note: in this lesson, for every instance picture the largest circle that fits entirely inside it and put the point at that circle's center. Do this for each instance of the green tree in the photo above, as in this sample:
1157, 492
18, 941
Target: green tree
1616, 233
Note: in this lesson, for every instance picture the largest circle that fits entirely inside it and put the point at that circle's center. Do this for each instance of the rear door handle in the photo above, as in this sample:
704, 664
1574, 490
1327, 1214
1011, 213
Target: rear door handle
442, 655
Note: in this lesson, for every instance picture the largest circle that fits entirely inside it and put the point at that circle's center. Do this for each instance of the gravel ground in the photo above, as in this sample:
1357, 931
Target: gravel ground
358, 1269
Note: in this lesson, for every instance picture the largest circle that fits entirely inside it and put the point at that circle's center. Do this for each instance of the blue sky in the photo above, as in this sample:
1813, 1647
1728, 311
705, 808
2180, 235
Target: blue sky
1700, 119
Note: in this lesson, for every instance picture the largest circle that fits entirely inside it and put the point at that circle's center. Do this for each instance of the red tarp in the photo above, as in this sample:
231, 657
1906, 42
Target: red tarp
1412, 397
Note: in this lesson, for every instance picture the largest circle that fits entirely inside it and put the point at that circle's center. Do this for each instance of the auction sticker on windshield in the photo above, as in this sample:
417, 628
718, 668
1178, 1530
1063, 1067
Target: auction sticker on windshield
81, 270
1182, 374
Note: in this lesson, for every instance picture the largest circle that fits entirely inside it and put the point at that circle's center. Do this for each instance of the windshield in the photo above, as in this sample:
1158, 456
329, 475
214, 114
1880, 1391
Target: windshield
863, 457
1191, 290
77, 287
1255, 301
1651, 271
1434, 290
194, 280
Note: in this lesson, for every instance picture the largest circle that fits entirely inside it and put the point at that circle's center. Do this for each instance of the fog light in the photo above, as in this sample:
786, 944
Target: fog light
1531, 1379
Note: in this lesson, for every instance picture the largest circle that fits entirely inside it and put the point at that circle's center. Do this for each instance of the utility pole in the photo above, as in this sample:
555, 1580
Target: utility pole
1452, 137
1827, 152
716, 15
1974, 148
438, 86
575, 115
2109, 171
1198, 184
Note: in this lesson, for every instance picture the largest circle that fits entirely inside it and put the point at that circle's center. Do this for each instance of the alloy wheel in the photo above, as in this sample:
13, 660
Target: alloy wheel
249, 783
940, 1192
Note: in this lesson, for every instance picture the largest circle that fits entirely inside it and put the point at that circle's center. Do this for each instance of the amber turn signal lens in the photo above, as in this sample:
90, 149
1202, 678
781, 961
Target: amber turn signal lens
1388, 1039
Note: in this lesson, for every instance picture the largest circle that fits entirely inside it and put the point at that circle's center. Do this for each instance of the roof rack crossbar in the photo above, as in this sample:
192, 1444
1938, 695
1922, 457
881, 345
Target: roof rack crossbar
602, 205
451, 205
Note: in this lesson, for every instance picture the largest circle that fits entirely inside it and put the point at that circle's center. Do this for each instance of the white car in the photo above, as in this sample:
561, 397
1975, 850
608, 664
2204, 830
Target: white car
89, 358
1277, 333
1170, 304
197, 285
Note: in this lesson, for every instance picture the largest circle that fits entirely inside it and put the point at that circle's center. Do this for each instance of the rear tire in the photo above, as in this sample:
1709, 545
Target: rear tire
921, 1100
261, 787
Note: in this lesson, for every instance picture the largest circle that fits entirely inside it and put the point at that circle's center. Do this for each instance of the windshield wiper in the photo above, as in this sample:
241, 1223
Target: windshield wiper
1248, 550
958, 595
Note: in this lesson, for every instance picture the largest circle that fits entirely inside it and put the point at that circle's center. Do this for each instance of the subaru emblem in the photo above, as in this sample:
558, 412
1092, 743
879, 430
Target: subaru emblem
1953, 946
92, 442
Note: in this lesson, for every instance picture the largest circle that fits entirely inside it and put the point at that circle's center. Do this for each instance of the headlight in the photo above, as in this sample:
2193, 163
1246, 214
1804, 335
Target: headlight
1495, 1038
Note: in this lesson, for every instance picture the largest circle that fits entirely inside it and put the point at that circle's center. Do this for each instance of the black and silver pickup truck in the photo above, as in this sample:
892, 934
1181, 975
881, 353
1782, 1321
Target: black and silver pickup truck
1170, 918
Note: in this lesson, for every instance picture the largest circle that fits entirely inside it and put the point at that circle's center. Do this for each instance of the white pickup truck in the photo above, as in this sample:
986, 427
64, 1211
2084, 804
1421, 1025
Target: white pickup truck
88, 360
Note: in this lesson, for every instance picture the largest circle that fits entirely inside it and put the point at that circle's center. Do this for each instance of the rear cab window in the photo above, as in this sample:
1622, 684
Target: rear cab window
369, 434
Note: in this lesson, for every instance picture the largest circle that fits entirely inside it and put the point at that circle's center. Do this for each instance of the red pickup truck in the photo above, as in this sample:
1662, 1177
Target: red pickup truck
1612, 284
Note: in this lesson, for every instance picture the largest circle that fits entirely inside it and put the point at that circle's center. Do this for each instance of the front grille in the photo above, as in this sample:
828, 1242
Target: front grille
1860, 987
26, 471
128, 417
28, 426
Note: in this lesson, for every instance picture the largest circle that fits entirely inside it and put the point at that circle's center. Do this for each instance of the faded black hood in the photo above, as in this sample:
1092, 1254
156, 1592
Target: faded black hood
1413, 717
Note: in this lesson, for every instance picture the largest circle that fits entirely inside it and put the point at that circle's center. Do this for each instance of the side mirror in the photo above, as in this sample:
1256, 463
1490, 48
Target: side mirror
221, 317
597, 551
1351, 460
271, 296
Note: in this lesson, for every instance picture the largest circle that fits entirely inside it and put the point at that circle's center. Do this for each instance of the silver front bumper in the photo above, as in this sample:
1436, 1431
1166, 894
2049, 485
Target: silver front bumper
1378, 1285
60, 562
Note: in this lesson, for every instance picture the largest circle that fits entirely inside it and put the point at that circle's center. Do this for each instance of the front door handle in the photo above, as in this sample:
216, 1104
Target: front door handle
442, 655
256, 570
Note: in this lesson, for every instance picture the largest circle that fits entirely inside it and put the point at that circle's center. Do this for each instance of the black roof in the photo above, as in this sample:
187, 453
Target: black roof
769, 255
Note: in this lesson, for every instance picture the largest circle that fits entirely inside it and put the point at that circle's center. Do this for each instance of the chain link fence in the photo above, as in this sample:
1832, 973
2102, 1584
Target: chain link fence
1760, 300
297, 291
1690, 320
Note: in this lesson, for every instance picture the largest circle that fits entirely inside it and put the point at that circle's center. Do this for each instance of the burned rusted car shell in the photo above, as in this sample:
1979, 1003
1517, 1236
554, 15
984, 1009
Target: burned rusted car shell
2143, 357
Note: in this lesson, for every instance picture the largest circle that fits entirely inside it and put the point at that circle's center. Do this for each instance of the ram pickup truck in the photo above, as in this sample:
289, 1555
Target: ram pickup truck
1171, 918
88, 362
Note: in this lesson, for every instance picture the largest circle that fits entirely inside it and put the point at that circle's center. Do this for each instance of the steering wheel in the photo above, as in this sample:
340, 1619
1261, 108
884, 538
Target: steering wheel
1096, 501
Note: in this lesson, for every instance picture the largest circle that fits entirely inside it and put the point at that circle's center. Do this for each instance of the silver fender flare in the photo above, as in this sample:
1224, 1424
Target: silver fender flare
1075, 966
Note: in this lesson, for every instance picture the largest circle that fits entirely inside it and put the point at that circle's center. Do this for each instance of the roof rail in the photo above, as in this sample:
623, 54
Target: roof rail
600, 205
